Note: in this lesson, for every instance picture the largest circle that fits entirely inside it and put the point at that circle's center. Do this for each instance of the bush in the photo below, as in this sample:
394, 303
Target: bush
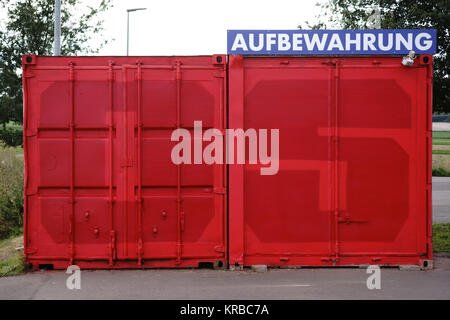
11, 136
11, 193
441, 237
440, 172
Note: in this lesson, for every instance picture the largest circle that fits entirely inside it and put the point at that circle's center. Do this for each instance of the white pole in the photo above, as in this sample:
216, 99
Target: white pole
128, 31
57, 28
128, 26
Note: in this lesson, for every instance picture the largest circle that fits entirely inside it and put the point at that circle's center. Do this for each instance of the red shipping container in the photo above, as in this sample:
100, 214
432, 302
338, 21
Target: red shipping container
101, 190
354, 179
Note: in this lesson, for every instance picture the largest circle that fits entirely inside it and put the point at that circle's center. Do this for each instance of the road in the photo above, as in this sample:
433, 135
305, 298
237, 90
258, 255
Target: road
341, 283
441, 199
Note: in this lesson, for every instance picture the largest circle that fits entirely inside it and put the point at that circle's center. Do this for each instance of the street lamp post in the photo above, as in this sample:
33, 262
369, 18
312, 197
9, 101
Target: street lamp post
57, 29
128, 25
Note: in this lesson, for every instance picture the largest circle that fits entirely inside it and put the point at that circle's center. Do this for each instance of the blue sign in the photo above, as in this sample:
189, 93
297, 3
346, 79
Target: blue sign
331, 42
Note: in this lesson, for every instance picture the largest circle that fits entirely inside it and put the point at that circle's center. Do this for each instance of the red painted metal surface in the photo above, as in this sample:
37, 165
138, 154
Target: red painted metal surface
354, 184
101, 190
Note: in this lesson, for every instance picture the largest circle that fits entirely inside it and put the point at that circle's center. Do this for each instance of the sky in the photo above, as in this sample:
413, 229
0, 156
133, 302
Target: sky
196, 27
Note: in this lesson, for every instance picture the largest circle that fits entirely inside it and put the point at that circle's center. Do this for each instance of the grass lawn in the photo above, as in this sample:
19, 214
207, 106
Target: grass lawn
441, 151
441, 134
441, 142
441, 138
441, 237
18, 150
11, 260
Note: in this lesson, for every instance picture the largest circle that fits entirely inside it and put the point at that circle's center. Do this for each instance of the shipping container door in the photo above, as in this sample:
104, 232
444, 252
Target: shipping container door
383, 121
71, 180
354, 179
101, 188
282, 219
176, 213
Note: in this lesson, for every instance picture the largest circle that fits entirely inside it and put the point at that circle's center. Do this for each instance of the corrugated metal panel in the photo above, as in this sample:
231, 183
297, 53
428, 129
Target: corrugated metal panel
101, 189
354, 184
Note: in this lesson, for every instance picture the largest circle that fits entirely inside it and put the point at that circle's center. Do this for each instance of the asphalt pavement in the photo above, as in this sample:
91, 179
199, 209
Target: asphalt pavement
441, 199
318, 283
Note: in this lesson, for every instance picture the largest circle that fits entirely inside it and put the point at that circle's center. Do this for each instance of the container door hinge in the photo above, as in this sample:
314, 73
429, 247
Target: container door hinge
30, 251
182, 222
30, 191
126, 163
28, 75
347, 219
330, 62
220, 249
112, 246
220, 190
140, 251
30, 133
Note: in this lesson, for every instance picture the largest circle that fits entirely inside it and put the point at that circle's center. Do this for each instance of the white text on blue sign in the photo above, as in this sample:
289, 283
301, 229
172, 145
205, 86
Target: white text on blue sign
331, 42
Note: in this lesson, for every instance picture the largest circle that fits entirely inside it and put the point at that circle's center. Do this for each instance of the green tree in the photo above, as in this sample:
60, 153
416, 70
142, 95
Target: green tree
399, 14
28, 29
